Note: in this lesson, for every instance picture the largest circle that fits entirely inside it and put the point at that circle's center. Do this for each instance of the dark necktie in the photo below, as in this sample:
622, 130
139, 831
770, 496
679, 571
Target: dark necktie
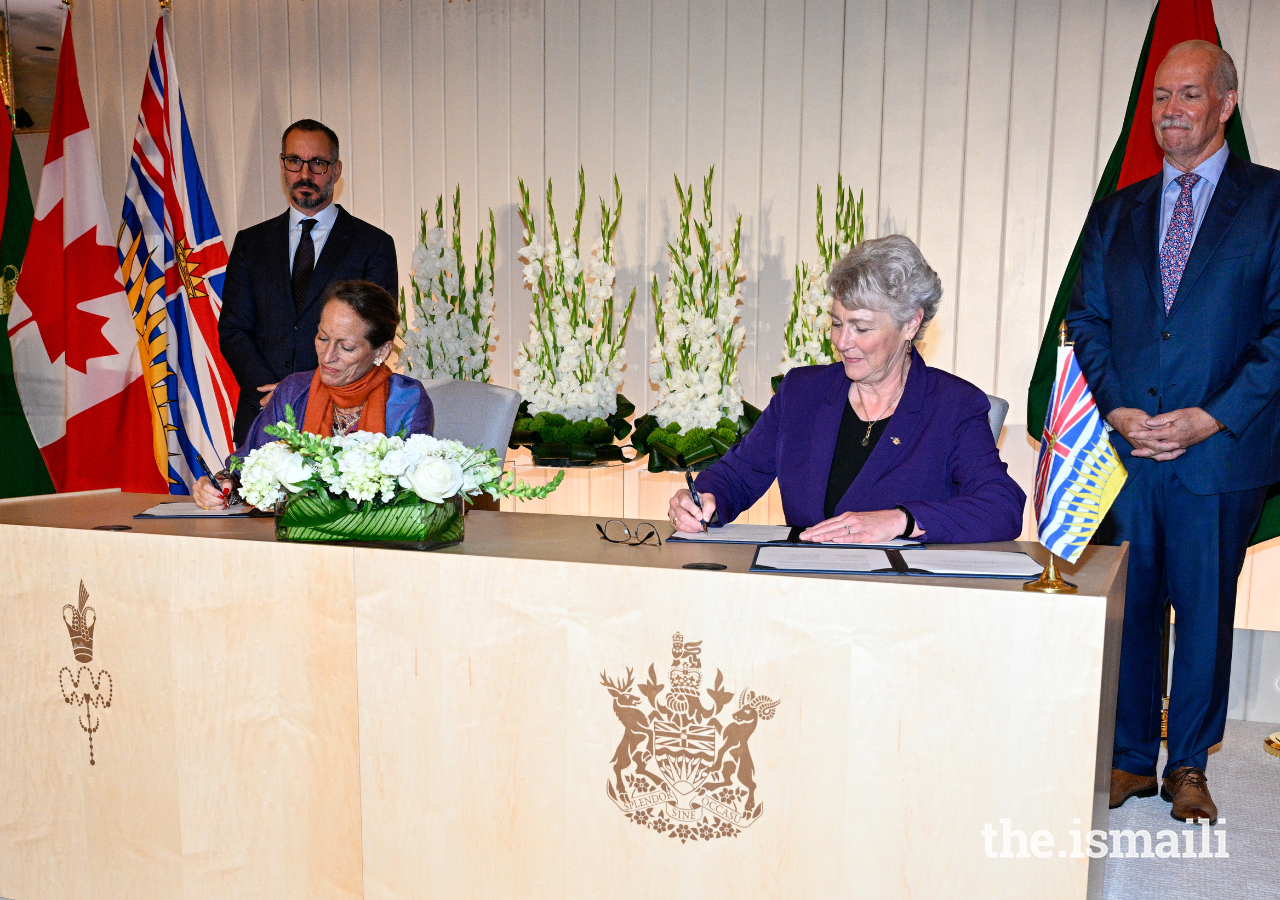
1177, 239
304, 263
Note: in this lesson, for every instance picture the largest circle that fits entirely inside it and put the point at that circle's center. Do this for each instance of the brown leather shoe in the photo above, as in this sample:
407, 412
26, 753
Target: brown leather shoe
1188, 789
1125, 785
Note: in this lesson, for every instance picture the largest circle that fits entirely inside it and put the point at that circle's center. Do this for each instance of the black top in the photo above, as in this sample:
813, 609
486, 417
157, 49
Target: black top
850, 455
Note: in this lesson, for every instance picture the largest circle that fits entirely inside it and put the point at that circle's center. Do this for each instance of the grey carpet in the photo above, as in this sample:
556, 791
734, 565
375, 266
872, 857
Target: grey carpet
1245, 783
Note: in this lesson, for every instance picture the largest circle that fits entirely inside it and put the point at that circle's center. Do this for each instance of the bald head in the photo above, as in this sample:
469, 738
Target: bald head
1194, 96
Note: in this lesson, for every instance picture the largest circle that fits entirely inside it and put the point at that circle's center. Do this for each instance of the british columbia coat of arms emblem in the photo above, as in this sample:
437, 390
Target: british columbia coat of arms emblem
683, 768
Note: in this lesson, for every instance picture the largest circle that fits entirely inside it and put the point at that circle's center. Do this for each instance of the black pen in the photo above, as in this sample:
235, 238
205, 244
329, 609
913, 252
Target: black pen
697, 499
213, 481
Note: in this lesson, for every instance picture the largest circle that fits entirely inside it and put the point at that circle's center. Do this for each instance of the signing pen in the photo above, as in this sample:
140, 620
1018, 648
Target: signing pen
213, 481
697, 498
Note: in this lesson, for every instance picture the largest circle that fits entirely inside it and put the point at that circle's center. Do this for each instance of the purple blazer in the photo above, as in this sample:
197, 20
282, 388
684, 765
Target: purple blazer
408, 407
936, 457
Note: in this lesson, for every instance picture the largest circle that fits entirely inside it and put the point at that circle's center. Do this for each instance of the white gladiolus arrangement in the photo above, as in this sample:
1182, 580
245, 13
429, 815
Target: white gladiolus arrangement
808, 330
572, 364
694, 360
452, 322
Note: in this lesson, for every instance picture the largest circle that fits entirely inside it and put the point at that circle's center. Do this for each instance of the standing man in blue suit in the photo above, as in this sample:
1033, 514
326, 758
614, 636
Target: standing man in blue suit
279, 269
1176, 323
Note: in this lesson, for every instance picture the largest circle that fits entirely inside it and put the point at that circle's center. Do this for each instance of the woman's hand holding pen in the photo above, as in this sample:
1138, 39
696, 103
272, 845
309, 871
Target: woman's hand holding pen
684, 513
207, 495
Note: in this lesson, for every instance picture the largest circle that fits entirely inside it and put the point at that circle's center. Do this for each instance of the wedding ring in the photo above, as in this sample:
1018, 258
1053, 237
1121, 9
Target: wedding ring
846, 529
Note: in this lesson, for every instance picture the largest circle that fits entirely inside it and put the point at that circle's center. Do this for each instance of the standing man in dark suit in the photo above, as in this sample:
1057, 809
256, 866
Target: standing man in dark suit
280, 268
1176, 322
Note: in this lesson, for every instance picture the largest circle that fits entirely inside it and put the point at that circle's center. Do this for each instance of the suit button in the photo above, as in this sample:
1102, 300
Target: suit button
1151, 391
1163, 334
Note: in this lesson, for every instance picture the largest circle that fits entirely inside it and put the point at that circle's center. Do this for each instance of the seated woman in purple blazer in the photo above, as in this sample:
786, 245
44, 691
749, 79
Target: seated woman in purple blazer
350, 391
878, 445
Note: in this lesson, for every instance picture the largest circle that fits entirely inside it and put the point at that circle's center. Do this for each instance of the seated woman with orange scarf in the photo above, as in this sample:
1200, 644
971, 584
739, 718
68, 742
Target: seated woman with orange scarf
351, 390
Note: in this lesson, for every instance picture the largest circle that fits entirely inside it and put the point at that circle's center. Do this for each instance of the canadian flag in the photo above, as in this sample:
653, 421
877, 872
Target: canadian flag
75, 348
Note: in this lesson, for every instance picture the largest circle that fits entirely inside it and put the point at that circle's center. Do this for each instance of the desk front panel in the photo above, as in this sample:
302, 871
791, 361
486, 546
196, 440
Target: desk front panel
226, 763
908, 717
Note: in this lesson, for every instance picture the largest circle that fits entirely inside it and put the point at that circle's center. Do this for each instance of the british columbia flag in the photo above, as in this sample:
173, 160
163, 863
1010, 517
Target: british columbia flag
1079, 474
173, 262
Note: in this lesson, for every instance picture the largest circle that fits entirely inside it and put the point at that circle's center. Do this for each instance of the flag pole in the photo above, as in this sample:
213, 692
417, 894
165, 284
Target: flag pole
1050, 582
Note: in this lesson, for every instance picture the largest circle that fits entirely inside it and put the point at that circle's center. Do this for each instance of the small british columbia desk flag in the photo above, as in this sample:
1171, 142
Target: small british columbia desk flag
1079, 474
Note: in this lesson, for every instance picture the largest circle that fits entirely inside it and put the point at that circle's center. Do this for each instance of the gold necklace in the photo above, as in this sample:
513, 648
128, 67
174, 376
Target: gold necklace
866, 438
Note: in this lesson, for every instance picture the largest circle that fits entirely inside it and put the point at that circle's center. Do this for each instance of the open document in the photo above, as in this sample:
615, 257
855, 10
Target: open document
837, 560
766, 534
188, 510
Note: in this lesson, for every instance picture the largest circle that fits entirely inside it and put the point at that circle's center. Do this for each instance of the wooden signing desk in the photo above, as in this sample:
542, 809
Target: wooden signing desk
313, 722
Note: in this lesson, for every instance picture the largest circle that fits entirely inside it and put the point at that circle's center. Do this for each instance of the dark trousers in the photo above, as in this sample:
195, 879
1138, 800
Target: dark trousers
1189, 548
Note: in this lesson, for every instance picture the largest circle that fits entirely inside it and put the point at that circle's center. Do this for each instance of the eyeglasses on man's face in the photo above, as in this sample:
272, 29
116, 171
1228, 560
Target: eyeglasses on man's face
615, 531
317, 165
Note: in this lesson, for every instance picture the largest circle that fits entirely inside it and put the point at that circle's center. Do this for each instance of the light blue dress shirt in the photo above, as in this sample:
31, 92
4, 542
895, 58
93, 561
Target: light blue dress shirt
320, 232
1209, 171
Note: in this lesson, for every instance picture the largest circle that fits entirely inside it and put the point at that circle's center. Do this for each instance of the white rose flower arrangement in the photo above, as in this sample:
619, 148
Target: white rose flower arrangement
452, 325
699, 412
572, 364
808, 330
370, 486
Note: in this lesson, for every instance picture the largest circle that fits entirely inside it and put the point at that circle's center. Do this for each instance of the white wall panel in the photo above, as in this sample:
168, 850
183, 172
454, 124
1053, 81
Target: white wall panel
395, 150
977, 127
942, 165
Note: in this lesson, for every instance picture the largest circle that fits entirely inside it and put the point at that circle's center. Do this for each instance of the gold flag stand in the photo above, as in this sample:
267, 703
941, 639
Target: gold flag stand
1050, 582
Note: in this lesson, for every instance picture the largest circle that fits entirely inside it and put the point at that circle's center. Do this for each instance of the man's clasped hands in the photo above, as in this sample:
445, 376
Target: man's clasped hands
1166, 436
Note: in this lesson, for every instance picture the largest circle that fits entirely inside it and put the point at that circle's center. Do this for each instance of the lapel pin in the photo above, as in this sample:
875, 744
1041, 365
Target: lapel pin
895, 440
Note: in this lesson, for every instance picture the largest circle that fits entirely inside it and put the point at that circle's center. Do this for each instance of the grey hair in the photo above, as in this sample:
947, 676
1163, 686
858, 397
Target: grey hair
1224, 67
888, 275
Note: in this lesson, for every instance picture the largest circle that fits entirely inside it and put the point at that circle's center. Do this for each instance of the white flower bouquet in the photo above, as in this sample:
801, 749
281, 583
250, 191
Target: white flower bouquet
452, 323
700, 412
572, 364
808, 330
364, 486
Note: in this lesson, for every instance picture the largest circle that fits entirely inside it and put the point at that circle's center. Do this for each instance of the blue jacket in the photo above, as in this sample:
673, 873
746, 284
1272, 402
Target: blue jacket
408, 408
936, 457
1219, 346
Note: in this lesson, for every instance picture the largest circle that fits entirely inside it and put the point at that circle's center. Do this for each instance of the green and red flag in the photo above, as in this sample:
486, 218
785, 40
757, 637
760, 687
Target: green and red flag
1136, 156
22, 469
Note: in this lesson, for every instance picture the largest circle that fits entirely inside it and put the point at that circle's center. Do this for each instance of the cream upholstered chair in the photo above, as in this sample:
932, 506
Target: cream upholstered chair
473, 412
999, 409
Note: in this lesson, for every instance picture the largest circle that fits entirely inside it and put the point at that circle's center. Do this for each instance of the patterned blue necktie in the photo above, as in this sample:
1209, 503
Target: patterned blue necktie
1177, 239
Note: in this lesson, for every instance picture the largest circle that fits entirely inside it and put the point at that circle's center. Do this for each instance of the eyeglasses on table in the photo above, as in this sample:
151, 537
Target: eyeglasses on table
615, 531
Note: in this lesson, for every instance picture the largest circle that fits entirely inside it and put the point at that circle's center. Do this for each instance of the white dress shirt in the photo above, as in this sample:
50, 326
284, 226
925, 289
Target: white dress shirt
319, 233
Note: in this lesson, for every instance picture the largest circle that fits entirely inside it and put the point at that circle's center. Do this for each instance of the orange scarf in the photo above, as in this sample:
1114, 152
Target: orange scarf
372, 390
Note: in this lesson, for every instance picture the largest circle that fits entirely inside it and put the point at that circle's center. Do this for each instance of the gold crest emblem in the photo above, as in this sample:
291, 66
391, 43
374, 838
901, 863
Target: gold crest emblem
82, 688
679, 769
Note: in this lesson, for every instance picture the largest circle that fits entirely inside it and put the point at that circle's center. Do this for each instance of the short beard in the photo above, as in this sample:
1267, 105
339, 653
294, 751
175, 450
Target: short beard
319, 198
